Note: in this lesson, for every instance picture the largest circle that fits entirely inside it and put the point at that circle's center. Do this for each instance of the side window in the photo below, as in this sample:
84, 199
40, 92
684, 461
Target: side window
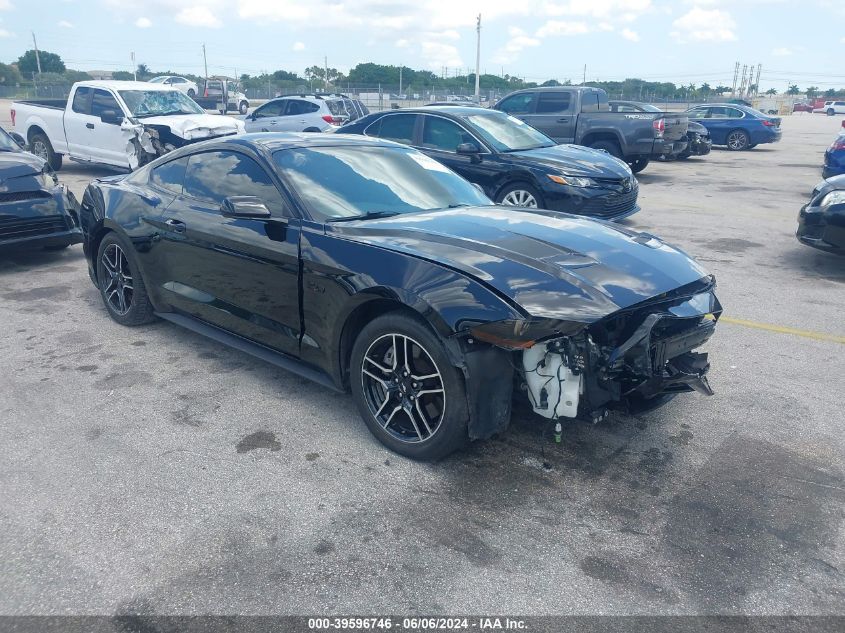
214, 176
301, 107
442, 134
102, 101
82, 100
624, 108
554, 102
178, 80
170, 176
718, 113
398, 127
517, 104
274, 108
733, 113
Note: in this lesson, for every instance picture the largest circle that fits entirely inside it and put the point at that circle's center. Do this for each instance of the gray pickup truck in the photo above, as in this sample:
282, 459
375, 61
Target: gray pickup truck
582, 116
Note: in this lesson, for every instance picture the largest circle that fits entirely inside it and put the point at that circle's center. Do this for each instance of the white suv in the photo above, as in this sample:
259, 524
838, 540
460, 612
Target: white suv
832, 107
300, 113
180, 83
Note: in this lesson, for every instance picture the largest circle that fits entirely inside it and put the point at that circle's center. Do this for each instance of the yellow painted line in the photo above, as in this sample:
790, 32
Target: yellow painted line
819, 336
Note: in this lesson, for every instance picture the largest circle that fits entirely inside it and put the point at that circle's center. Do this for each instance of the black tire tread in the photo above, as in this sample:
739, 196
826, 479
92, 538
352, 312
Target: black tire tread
142, 310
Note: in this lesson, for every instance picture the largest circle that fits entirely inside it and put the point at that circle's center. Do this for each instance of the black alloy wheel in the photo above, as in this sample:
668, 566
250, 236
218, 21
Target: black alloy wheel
121, 285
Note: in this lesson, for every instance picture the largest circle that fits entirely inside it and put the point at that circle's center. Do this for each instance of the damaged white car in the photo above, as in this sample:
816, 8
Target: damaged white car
119, 123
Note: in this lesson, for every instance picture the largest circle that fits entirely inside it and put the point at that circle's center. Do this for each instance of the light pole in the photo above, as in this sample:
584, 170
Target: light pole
478, 60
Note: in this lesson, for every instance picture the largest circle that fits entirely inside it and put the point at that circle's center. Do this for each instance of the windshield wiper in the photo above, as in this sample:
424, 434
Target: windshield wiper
372, 215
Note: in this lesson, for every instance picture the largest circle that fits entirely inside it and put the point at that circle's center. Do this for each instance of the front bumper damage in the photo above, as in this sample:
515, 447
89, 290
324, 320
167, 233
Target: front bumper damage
631, 360
146, 142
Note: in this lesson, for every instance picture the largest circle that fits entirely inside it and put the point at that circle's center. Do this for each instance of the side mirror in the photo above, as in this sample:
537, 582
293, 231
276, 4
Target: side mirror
111, 117
17, 138
468, 148
245, 207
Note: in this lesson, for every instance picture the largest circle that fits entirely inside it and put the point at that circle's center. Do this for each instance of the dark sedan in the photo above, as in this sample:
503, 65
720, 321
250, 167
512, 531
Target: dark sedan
368, 266
821, 222
510, 160
35, 211
834, 156
738, 127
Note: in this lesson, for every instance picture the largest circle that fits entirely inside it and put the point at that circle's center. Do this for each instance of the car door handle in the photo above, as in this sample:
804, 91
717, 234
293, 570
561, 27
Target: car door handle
563, 119
90, 126
176, 225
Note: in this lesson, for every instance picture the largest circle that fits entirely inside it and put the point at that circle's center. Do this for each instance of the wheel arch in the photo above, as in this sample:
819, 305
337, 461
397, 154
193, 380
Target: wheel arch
602, 135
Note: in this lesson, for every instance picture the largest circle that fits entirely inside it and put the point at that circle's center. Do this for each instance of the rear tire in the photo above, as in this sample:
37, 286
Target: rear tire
192, 93
121, 285
409, 394
40, 145
638, 165
738, 141
243, 107
611, 147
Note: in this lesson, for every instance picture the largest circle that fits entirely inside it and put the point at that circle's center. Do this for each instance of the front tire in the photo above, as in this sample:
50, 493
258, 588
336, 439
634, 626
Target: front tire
831, 112
243, 107
121, 286
520, 194
409, 394
192, 93
738, 141
40, 146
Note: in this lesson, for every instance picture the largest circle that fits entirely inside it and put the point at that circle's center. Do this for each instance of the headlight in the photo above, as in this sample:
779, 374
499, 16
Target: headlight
572, 181
834, 197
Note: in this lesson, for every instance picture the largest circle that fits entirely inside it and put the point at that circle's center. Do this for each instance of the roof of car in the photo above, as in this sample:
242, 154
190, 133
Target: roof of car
453, 110
116, 84
273, 141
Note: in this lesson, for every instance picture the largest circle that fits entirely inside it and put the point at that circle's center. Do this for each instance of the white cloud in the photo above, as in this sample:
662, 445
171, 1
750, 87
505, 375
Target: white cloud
143, 23
4, 34
602, 9
782, 52
402, 43
437, 54
5, 5
299, 46
703, 25
65, 24
198, 15
631, 36
519, 40
562, 27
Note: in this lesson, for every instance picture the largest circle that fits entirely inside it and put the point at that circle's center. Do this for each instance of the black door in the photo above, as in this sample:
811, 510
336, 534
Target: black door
240, 274
439, 139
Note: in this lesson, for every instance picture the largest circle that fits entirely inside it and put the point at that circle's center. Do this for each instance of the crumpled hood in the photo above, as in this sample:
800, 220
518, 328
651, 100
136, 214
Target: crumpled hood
574, 160
551, 264
196, 126
18, 164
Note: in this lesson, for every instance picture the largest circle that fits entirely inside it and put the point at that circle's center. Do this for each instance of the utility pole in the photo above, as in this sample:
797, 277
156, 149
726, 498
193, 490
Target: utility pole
478, 60
757, 81
736, 76
134, 67
584, 81
400, 79
37, 57
205, 61
326, 70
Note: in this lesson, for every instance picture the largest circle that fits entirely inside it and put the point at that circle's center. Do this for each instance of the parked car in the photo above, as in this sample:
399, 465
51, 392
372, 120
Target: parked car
802, 106
367, 266
222, 94
582, 116
35, 210
180, 83
119, 123
672, 120
513, 163
736, 126
300, 113
821, 222
834, 157
831, 108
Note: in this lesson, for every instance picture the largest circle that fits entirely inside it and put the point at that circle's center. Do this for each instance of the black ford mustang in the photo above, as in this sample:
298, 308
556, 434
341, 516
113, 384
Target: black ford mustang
366, 265
511, 161
35, 211
821, 222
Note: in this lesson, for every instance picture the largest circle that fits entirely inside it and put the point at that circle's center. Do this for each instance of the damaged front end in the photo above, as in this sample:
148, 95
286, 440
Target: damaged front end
147, 141
632, 360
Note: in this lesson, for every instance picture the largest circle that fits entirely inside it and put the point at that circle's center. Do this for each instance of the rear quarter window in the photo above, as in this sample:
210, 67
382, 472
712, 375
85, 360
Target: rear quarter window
170, 175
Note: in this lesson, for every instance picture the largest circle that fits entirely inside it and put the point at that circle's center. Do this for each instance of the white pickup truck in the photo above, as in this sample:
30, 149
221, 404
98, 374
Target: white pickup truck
118, 123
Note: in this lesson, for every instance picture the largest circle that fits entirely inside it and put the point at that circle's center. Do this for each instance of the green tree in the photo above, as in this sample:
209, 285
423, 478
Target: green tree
830, 92
705, 89
793, 90
284, 75
122, 75
143, 71
720, 90
550, 82
9, 75
771, 91
812, 91
50, 62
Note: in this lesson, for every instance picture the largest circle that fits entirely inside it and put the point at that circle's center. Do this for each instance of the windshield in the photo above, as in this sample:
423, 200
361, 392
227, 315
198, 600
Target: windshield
348, 181
157, 80
143, 103
7, 143
505, 133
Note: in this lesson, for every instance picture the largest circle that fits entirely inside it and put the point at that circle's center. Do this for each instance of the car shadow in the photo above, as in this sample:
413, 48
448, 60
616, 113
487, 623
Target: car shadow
17, 261
650, 176
815, 263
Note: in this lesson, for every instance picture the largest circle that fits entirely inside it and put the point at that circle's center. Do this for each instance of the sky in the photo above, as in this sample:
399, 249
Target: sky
683, 41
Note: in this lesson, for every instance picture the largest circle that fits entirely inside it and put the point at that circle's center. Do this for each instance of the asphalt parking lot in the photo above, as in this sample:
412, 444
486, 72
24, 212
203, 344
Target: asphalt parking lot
150, 470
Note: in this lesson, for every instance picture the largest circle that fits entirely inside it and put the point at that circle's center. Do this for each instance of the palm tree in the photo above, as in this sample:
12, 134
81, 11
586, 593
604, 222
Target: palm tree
830, 92
793, 90
812, 91
771, 91
705, 89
